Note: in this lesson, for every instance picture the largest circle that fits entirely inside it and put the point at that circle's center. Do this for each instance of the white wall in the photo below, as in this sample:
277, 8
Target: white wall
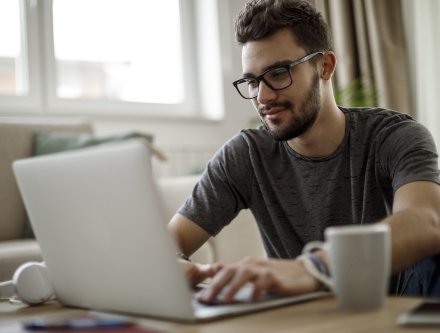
237, 111
423, 45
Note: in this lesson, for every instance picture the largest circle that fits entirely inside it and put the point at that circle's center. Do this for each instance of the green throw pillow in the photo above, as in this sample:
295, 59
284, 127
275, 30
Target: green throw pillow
54, 142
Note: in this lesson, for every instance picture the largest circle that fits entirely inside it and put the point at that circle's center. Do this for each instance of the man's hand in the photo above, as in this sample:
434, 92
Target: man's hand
284, 277
197, 273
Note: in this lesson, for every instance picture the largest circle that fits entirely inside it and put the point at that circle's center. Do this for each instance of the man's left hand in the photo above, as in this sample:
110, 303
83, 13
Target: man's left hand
284, 277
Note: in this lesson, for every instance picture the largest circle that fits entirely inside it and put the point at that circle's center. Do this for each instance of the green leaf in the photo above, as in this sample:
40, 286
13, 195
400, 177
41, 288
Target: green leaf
357, 93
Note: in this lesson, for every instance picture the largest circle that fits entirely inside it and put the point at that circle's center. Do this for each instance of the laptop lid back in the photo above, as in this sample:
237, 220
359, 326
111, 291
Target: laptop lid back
98, 218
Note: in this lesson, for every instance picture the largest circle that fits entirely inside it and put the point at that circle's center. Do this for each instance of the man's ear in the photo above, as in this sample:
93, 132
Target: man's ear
328, 65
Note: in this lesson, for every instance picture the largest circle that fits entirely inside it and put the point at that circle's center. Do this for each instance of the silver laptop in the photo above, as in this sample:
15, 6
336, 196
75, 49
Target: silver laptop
99, 220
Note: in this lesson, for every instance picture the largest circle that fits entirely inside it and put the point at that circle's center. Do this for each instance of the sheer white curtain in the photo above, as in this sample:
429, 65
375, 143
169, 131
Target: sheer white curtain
422, 24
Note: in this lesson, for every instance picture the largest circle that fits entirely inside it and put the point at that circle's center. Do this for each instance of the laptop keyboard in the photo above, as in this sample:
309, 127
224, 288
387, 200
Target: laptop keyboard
243, 296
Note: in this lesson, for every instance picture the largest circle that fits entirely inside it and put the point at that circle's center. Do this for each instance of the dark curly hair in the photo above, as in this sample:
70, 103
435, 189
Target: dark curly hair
262, 18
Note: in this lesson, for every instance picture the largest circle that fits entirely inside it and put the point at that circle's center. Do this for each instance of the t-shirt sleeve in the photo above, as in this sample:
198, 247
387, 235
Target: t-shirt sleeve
408, 153
223, 190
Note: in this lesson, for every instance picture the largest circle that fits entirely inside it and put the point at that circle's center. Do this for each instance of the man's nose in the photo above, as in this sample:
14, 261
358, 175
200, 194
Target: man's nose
265, 94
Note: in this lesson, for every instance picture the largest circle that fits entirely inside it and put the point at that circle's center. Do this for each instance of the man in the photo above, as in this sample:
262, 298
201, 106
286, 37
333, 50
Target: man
312, 165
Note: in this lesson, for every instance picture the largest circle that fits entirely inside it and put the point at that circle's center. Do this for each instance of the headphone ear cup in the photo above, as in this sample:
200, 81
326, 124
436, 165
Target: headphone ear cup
32, 283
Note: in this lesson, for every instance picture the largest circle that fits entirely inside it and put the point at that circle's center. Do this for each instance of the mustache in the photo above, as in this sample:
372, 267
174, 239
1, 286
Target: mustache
263, 109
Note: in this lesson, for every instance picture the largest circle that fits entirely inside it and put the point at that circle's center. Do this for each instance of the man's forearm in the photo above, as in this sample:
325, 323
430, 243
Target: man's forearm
415, 235
415, 224
189, 236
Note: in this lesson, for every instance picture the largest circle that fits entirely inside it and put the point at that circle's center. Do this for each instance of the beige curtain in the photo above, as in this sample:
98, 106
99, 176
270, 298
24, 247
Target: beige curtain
369, 43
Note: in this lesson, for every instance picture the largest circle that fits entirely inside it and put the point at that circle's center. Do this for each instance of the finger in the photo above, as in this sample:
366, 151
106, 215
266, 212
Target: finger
210, 270
205, 270
189, 268
187, 265
197, 273
216, 267
262, 283
241, 277
221, 279
249, 260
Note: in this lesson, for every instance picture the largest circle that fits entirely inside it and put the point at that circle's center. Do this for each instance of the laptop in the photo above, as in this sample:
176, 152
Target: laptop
100, 223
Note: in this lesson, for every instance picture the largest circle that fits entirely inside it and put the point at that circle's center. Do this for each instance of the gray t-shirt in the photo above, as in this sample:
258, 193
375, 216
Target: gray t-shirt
294, 198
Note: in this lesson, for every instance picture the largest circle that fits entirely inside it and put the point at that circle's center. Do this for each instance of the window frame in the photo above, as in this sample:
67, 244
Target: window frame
30, 58
40, 69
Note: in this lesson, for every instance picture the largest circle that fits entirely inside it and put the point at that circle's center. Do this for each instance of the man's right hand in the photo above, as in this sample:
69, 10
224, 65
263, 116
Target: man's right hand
197, 273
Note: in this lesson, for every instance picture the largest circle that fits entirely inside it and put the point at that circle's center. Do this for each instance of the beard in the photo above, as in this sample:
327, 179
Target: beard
302, 119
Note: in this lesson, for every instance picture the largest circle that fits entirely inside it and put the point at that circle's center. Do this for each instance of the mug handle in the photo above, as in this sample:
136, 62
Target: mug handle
310, 265
315, 245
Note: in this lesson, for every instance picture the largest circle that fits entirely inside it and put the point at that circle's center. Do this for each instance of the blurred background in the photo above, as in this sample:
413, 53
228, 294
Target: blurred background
165, 68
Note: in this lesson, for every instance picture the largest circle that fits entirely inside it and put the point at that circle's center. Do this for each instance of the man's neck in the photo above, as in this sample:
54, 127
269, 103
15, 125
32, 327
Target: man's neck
324, 137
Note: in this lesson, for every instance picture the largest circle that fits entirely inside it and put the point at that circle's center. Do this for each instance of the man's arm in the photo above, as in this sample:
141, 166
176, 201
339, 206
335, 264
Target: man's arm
282, 276
189, 236
415, 224
415, 235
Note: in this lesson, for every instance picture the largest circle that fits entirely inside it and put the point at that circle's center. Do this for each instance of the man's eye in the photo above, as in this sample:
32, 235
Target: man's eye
278, 73
252, 83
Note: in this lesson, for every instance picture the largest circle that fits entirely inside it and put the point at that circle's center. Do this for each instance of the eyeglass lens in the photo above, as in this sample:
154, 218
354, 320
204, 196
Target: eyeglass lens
278, 78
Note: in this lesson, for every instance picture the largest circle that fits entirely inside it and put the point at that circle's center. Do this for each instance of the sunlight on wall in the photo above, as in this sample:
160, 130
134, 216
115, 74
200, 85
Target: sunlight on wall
423, 44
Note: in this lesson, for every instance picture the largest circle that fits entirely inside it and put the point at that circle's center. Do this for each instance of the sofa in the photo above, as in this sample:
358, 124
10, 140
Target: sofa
237, 240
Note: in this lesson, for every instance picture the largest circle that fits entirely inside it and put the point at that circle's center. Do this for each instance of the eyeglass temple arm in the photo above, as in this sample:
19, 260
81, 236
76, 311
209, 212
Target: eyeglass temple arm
306, 58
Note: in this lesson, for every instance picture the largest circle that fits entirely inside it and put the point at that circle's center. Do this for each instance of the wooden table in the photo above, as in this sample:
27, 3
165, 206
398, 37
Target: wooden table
321, 315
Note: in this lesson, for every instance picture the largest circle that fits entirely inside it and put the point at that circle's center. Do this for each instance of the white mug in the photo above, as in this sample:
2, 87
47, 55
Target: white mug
359, 264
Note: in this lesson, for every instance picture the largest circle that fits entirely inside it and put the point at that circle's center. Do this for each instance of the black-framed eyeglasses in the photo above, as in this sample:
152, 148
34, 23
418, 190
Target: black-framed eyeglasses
277, 78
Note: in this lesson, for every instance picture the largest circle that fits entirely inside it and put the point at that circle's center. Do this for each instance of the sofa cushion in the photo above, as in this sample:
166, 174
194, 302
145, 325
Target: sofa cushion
16, 142
239, 239
14, 253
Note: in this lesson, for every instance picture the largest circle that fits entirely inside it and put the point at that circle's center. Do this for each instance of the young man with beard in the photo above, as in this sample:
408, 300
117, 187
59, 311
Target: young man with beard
312, 165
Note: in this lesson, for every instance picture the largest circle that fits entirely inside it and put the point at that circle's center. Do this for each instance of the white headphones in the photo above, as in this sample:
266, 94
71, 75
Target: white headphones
30, 283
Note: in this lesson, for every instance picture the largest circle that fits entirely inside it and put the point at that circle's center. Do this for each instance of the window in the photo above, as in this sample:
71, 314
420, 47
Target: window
11, 76
132, 54
104, 57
